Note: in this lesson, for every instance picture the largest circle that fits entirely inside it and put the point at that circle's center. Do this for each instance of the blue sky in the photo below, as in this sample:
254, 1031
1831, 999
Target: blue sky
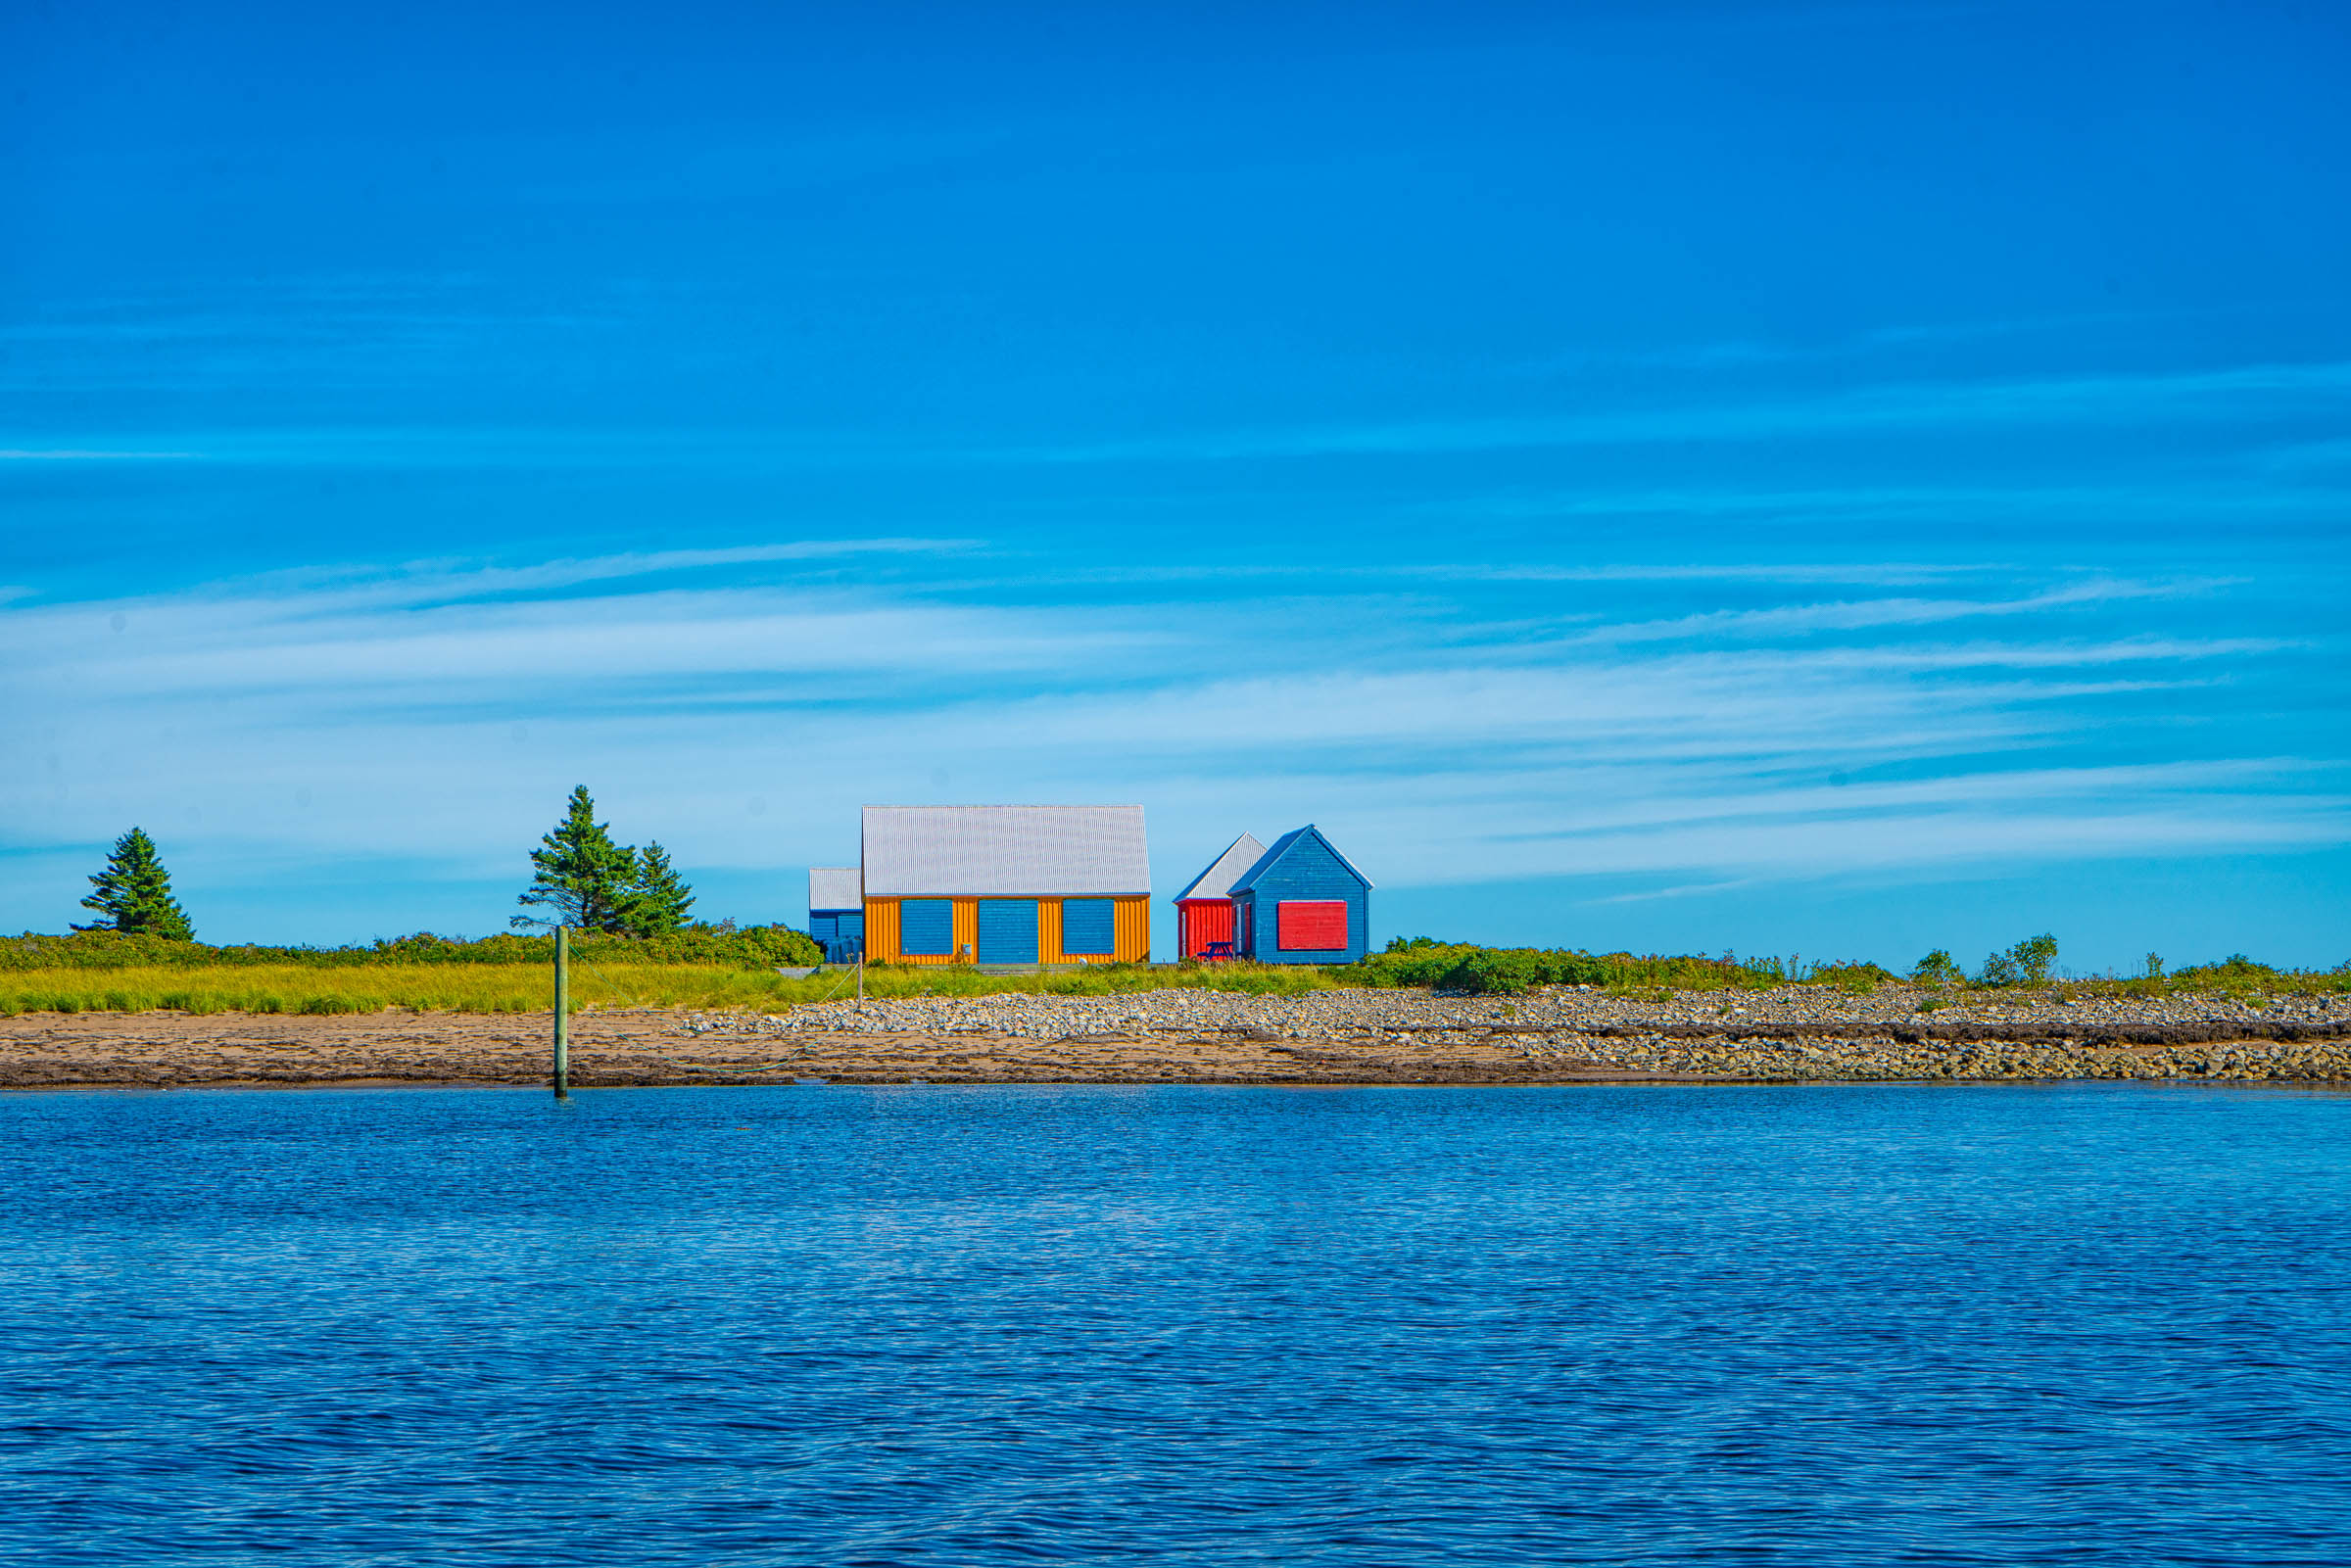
1840, 478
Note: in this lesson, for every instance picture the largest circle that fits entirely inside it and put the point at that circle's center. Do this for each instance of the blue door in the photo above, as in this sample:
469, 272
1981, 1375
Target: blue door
1008, 930
927, 927
1089, 928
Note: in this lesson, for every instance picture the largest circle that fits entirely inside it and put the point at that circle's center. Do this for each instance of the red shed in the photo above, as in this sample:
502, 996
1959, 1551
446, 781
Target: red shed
1204, 910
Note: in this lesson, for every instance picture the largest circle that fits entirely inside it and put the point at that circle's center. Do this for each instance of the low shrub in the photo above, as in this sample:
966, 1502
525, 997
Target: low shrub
1857, 979
1472, 970
2028, 963
1936, 968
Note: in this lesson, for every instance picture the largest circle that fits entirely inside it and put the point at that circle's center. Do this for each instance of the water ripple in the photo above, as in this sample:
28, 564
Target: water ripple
1847, 1325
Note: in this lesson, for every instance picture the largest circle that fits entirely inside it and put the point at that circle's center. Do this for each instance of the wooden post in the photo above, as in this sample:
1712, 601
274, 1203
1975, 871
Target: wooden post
562, 1013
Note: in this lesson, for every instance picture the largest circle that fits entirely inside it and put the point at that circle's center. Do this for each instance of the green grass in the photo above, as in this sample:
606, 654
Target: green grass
755, 947
721, 969
2237, 978
528, 987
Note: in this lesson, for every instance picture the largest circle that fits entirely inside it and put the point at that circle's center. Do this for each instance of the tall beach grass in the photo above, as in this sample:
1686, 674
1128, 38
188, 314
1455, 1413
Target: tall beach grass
528, 987
720, 969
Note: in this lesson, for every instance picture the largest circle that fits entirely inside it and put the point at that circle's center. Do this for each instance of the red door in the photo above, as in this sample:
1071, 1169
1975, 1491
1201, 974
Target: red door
1202, 922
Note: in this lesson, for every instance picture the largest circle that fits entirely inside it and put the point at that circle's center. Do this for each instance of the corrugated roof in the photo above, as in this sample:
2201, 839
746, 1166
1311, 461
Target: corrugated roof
1224, 870
836, 887
1005, 851
1248, 878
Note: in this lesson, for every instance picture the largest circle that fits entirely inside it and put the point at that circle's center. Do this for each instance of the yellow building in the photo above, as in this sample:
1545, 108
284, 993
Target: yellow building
1006, 885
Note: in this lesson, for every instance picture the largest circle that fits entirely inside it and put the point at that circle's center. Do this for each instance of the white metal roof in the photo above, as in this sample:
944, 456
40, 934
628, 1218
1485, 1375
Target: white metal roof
1224, 870
1005, 851
835, 887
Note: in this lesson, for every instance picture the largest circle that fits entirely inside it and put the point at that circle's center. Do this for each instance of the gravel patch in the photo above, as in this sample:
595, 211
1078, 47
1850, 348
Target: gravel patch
1792, 1035
1793, 1032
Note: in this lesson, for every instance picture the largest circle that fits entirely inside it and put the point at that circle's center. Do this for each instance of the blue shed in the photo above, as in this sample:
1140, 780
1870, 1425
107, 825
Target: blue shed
837, 912
1301, 903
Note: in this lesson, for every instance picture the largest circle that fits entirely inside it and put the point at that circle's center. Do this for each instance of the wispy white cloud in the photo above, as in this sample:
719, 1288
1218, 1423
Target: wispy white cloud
1740, 353
308, 591
2224, 394
1866, 614
1683, 891
1880, 573
1953, 503
411, 650
436, 711
2227, 395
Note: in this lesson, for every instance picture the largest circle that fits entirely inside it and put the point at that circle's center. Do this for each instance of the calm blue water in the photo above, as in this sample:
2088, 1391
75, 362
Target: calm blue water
1834, 1325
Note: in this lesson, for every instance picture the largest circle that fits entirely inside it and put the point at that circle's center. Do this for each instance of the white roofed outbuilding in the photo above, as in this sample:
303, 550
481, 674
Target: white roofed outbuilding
837, 912
1204, 909
1006, 885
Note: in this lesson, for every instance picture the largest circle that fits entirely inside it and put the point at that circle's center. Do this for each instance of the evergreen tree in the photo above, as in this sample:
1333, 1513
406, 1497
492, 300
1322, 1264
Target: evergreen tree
660, 899
587, 880
134, 893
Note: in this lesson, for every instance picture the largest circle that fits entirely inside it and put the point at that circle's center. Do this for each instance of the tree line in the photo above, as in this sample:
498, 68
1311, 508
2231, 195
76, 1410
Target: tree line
581, 877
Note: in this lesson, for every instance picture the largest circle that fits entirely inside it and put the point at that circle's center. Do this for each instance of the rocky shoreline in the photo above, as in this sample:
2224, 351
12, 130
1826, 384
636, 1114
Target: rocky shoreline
1788, 1034
1794, 1034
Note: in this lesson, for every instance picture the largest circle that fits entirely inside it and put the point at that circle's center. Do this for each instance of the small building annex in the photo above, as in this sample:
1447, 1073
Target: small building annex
1005, 885
1301, 903
837, 912
1204, 909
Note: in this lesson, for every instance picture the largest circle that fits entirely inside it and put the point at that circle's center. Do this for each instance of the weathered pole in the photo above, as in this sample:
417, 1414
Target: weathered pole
562, 1013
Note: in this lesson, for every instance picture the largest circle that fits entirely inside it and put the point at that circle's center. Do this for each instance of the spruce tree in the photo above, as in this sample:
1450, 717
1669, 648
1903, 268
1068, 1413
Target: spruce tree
660, 899
586, 879
134, 893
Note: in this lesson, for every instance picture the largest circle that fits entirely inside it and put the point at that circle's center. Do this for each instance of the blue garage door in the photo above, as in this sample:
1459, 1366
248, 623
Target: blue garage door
1088, 927
927, 927
1008, 930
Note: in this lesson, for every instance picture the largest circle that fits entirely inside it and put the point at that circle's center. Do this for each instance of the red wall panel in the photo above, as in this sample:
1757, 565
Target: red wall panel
1311, 923
1203, 921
